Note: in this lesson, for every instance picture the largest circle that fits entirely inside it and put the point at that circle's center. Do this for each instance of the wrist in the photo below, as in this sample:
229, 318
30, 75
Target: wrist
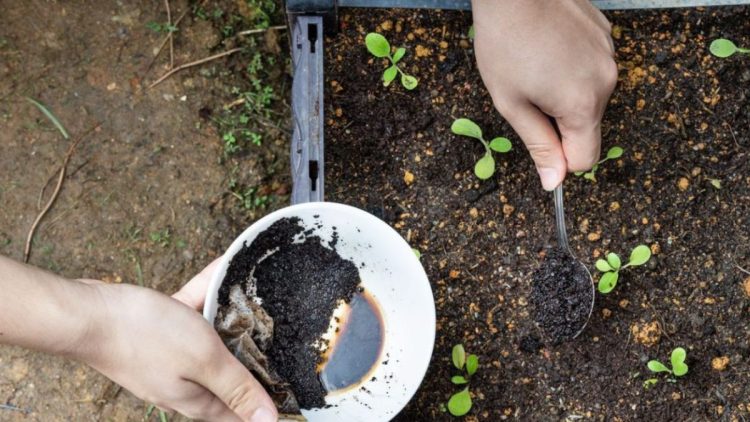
83, 315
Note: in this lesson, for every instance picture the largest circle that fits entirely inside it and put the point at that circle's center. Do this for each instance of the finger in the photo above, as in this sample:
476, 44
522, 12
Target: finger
541, 140
581, 141
205, 406
193, 294
231, 382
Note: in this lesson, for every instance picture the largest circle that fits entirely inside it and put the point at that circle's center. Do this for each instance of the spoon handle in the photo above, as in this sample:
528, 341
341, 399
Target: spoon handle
562, 233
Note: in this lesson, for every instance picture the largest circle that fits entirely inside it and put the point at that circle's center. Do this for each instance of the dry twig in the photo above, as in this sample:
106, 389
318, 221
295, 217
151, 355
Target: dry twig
260, 30
191, 64
60, 179
170, 36
166, 40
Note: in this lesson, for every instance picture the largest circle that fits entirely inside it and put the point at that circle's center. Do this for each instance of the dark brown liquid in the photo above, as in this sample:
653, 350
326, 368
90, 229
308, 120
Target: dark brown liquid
356, 347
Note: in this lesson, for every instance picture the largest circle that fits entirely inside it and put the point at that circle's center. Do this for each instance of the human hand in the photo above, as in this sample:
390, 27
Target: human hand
543, 59
167, 354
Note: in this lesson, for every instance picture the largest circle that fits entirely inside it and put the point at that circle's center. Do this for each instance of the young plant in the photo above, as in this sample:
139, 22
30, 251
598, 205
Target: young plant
613, 154
612, 265
379, 47
724, 48
460, 403
677, 359
485, 167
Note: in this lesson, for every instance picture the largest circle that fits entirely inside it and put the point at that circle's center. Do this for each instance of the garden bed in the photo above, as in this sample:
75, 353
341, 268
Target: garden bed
683, 118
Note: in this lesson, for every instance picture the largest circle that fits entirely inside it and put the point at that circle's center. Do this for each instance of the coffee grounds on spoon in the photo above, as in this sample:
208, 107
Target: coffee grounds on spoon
561, 296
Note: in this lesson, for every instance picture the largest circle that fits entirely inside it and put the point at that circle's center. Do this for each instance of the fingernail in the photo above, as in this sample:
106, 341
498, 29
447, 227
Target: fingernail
263, 414
550, 178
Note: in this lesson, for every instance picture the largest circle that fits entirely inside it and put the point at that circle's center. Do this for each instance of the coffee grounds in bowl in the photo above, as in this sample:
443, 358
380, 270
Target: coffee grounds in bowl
300, 283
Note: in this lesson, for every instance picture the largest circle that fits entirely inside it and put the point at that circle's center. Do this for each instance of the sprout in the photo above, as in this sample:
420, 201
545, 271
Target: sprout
612, 265
677, 359
613, 153
485, 167
379, 47
460, 403
724, 48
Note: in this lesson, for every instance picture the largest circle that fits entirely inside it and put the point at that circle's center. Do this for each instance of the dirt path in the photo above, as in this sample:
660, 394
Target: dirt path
146, 200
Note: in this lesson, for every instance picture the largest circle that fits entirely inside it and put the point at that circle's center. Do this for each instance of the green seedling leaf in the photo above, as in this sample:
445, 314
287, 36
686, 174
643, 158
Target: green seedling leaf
409, 82
459, 356
614, 261
650, 383
48, 114
398, 55
590, 176
677, 359
500, 144
459, 380
466, 127
417, 253
578, 173
472, 364
377, 45
389, 75
640, 255
485, 167
163, 416
656, 366
716, 183
460, 403
722, 47
614, 152
608, 282
603, 266
472, 32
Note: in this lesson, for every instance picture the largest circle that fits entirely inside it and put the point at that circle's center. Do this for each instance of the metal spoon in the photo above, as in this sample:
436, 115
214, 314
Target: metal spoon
562, 240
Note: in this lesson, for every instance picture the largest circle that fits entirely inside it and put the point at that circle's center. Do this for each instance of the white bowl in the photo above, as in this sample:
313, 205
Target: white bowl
393, 275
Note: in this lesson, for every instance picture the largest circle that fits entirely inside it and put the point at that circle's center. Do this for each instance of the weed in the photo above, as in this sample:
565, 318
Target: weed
379, 47
162, 414
50, 116
417, 253
613, 153
460, 403
161, 238
724, 48
485, 167
133, 233
250, 199
161, 28
677, 359
612, 265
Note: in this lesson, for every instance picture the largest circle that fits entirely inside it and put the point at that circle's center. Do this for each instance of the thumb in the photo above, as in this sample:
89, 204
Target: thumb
193, 294
233, 384
542, 141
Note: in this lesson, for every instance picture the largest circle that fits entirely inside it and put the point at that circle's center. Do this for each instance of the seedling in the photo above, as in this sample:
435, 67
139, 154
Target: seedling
612, 265
379, 47
677, 359
724, 48
613, 154
417, 253
460, 403
485, 167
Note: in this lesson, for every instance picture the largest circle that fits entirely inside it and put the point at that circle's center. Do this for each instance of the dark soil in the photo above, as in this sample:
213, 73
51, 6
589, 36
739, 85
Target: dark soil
683, 118
300, 285
561, 295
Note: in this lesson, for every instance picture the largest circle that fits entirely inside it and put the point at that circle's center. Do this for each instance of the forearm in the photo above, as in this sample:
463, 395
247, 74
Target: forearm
43, 311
